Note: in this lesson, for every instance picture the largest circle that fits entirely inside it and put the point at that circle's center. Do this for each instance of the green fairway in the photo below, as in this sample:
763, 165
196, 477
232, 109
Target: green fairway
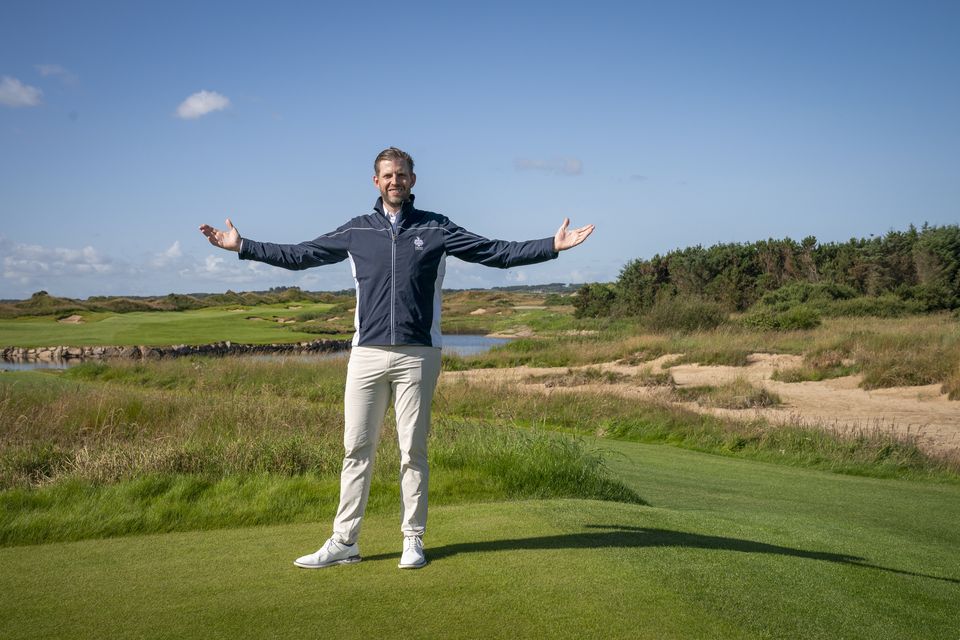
727, 549
253, 325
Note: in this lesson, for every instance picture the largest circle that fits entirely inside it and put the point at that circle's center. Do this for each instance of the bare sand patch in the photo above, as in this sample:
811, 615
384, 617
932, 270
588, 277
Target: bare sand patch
74, 319
838, 404
478, 312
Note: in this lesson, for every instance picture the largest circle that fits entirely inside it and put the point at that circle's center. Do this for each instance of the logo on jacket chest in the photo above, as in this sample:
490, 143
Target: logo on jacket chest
418, 244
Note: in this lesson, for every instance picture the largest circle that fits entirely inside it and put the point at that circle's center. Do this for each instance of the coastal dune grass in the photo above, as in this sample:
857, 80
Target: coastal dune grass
904, 351
100, 452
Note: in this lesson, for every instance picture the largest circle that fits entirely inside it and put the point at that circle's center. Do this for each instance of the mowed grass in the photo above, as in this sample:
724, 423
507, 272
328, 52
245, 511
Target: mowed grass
726, 548
200, 326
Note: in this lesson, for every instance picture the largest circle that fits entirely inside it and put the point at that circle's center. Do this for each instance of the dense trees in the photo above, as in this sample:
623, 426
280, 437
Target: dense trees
917, 266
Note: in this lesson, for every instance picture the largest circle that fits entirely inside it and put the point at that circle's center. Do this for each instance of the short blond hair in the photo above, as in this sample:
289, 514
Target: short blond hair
394, 155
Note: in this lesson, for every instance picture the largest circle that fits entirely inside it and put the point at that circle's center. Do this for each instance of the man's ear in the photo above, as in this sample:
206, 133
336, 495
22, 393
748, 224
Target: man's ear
413, 179
376, 182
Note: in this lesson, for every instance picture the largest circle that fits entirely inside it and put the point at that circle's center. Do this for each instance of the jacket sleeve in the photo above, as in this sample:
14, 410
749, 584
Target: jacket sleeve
495, 253
327, 249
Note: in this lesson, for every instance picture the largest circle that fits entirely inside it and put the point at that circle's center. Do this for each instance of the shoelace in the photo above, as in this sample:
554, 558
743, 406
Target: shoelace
413, 542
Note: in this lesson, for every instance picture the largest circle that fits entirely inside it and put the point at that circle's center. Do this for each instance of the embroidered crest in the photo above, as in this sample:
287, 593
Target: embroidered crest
418, 244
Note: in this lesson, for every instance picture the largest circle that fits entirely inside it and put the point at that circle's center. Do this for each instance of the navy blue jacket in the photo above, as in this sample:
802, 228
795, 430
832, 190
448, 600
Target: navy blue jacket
398, 275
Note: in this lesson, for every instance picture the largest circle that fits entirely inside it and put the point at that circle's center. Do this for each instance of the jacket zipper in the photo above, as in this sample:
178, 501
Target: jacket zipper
393, 285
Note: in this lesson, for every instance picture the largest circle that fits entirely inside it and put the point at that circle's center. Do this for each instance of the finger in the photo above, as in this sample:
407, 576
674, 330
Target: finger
229, 224
566, 223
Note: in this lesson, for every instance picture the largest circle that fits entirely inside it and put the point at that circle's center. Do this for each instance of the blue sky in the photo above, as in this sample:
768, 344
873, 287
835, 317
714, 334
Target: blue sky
125, 125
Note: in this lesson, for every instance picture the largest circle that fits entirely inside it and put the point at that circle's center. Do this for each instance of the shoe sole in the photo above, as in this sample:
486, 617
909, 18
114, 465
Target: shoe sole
350, 560
412, 566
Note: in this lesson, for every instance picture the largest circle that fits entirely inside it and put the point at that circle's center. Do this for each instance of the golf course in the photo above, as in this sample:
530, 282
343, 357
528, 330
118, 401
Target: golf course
579, 489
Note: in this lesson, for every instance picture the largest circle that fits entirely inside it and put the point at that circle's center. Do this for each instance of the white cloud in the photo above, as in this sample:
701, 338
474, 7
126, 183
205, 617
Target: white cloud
14, 93
202, 103
165, 258
57, 71
557, 166
30, 264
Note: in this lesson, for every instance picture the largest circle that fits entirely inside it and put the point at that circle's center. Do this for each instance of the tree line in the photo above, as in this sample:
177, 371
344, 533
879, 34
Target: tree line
917, 267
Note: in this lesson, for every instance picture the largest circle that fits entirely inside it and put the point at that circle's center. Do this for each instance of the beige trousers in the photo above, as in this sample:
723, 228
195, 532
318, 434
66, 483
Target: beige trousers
374, 374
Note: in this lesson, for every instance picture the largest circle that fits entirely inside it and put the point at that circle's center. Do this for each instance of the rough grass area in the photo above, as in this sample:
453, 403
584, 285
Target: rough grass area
821, 365
173, 446
889, 352
469, 465
736, 394
594, 375
608, 415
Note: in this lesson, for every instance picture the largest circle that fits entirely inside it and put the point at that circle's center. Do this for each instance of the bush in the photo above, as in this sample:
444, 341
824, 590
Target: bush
886, 306
813, 294
801, 317
685, 314
594, 301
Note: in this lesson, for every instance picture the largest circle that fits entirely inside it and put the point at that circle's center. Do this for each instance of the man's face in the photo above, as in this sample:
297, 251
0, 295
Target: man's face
394, 180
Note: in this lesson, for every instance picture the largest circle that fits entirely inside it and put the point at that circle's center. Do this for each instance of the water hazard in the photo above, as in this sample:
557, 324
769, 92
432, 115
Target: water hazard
461, 345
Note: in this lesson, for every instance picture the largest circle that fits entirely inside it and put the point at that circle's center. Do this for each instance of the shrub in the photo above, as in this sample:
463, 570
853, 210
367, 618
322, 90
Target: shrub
594, 301
886, 306
797, 293
684, 314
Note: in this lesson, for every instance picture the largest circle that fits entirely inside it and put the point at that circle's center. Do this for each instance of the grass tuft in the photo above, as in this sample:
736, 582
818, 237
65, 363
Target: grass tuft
739, 393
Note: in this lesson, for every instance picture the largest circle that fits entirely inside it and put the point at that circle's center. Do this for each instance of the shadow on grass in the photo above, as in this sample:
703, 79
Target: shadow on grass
629, 537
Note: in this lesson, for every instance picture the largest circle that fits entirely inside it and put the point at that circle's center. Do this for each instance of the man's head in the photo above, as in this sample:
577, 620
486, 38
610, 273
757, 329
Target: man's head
394, 176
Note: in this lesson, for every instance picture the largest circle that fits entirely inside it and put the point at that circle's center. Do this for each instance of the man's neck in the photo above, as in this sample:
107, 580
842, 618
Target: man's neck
390, 210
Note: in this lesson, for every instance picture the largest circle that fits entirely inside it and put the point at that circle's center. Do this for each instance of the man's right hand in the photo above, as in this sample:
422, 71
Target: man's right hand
229, 239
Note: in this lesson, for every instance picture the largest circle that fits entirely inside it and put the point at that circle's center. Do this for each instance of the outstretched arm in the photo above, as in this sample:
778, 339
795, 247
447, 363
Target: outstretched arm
229, 239
568, 238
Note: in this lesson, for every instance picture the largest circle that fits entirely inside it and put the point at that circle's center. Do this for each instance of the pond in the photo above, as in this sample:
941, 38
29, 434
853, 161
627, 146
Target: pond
461, 345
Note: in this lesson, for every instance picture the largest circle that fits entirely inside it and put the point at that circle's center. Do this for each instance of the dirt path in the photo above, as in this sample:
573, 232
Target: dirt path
838, 404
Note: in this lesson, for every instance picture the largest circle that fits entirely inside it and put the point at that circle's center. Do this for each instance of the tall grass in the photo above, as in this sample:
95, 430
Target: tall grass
871, 452
739, 393
112, 450
888, 351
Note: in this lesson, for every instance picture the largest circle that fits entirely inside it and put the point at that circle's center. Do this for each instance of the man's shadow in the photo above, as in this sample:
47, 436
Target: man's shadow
630, 537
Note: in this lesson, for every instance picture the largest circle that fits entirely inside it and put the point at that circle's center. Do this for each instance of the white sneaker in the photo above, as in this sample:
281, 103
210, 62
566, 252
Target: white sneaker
412, 557
331, 553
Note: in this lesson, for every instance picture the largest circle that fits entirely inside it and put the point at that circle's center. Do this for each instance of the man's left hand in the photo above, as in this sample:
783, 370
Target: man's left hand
568, 238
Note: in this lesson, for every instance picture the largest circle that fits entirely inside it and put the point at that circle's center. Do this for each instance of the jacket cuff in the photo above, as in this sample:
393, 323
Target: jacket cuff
549, 250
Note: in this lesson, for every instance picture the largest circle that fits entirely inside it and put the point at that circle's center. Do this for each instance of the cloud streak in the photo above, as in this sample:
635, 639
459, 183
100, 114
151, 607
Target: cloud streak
14, 93
56, 71
201, 103
556, 166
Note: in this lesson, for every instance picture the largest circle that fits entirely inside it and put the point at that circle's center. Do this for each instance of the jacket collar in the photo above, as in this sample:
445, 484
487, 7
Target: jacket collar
405, 208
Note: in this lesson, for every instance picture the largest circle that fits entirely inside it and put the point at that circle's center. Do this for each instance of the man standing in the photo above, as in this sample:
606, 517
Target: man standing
397, 254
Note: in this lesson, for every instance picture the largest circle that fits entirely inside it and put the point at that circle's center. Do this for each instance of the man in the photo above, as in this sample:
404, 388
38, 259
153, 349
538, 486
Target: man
397, 255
